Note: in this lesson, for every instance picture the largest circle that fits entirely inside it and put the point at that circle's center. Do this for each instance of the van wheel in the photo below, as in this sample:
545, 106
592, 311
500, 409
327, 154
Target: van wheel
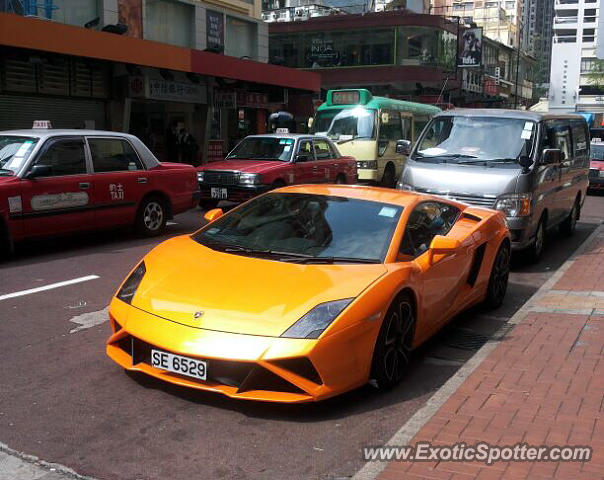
389, 180
393, 346
568, 226
151, 217
498, 280
536, 249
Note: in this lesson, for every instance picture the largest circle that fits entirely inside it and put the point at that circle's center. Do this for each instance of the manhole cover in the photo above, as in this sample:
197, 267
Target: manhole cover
464, 339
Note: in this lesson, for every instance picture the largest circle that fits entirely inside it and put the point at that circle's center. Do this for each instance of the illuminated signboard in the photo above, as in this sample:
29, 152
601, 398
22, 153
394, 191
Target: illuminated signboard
345, 98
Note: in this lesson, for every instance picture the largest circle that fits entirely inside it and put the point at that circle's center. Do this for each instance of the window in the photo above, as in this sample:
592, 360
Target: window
322, 150
390, 130
407, 134
160, 18
579, 138
589, 34
64, 157
557, 135
426, 221
426, 46
113, 155
305, 151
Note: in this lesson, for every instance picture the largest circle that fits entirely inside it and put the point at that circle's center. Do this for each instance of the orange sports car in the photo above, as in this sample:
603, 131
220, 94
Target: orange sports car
306, 292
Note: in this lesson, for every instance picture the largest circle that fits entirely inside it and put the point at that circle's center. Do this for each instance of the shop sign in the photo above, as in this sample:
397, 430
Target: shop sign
490, 86
214, 29
215, 150
136, 87
252, 99
225, 98
160, 89
470, 48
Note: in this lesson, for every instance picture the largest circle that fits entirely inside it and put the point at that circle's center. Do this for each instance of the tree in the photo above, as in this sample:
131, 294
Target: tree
595, 76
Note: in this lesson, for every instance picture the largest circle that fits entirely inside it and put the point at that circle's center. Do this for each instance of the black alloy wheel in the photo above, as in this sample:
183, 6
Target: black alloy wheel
392, 351
498, 280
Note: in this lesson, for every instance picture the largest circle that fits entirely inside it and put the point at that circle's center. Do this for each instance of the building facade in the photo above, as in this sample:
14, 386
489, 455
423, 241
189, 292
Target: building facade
152, 68
574, 57
537, 34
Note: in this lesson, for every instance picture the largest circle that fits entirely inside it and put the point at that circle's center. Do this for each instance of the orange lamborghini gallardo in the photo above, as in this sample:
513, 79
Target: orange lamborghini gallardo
307, 292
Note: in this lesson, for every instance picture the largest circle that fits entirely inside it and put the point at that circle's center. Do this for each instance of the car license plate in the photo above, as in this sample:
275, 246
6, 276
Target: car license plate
218, 193
177, 364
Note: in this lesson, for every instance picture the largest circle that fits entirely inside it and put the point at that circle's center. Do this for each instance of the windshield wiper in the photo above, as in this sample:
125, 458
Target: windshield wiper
338, 260
6, 171
456, 155
340, 142
260, 251
488, 161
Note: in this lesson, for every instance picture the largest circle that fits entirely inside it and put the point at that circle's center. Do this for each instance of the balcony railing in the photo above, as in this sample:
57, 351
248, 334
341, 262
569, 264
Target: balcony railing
565, 20
565, 39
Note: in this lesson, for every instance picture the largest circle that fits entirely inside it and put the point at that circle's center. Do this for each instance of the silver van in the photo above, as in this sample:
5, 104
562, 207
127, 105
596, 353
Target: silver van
532, 166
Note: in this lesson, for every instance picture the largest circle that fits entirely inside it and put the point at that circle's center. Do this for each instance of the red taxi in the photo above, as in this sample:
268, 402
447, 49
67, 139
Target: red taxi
262, 162
61, 181
596, 166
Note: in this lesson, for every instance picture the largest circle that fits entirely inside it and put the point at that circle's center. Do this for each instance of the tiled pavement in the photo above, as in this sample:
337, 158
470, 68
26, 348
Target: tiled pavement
542, 384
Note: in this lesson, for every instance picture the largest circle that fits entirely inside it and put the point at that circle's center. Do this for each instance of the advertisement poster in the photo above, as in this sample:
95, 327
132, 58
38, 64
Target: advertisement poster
214, 29
470, 48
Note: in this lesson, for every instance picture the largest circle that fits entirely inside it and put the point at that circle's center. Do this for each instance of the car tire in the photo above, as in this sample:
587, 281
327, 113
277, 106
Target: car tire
498, 280
152, 216
568, 226
392, 350
535, 251
206, 204
388, 179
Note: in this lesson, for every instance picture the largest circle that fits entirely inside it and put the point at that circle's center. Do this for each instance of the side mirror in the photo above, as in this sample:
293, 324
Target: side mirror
551, 156
213, 214
525, 162
442, 245
403, 147
39, 171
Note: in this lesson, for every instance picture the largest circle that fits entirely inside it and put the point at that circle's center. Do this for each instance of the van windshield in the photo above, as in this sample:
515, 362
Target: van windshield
347, 124
476, 140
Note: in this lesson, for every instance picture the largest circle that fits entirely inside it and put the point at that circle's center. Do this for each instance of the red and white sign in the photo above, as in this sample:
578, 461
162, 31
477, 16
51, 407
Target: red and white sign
215, 150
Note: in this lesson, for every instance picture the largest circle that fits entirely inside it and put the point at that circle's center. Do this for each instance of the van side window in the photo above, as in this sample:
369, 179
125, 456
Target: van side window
407, 133
392, 129
579, 137
557, 135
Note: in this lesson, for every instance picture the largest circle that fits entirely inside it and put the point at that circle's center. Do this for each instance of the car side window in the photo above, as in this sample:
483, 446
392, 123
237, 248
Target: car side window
579, 138
426, 221
113, 155
64, 157
322, 150
305, 151
557, 135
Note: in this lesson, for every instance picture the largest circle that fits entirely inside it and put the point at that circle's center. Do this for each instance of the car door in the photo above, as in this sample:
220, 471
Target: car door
442, 276
325, 168
120, 180
61, 200
304, 162
556, 134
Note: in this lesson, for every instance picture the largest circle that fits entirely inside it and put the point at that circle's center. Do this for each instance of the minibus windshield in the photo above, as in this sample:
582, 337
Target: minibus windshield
464, 140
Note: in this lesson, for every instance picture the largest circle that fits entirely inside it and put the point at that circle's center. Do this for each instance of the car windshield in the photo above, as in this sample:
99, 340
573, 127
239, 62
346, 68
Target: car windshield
460, 139
597, 151
346, 124
305, 228
265, 148
14, 152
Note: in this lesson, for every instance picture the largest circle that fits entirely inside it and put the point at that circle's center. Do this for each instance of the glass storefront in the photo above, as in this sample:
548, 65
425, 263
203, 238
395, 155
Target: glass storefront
161, 16
410, 45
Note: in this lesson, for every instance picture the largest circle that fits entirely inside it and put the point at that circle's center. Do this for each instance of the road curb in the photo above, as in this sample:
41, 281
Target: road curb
405, 434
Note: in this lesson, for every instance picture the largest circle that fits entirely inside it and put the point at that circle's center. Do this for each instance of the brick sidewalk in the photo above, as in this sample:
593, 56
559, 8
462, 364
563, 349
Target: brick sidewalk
543, 384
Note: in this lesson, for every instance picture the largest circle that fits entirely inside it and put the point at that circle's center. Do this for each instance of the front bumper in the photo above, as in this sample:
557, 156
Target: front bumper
520, 231
239, 366
235, 193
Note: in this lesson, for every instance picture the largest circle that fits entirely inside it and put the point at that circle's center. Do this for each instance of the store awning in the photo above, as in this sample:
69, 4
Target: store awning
49, 36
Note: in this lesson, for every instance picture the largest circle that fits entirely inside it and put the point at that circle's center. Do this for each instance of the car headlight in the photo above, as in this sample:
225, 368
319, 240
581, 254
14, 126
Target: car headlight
317, 320
367, 164
200, 177
515, 204
249, 179
126, 293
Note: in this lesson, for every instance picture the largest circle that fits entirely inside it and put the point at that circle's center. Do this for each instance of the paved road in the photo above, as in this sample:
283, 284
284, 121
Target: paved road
62, 400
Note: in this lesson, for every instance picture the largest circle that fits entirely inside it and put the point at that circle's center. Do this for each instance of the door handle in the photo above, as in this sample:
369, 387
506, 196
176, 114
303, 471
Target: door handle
141, 179
84, 185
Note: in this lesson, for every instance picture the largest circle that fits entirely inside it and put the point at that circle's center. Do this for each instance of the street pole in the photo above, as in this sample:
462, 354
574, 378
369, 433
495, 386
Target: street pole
517, 63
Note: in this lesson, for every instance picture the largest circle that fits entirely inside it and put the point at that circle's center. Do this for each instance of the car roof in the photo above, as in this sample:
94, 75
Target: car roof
507, 113
54, 132
287, 135
402, 198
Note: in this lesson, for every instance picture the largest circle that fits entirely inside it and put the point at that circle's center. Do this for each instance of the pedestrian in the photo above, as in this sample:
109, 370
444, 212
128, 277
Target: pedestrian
172, 143
188, 147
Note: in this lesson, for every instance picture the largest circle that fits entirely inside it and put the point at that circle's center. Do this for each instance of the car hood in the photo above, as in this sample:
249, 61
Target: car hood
445, 178
248, 166
241, 294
